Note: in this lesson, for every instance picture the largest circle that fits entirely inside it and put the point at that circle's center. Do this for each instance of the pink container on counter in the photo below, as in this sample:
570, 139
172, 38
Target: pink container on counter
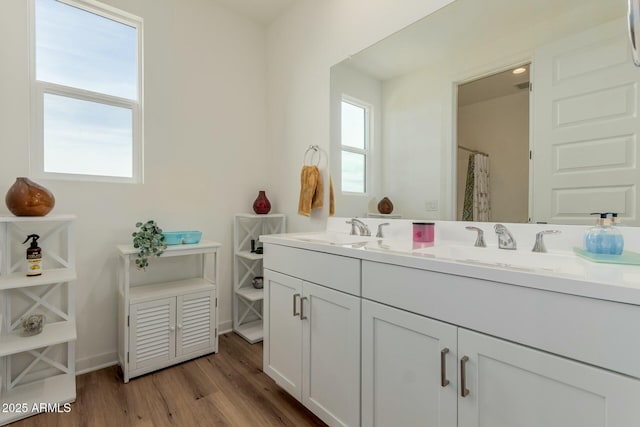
423, 232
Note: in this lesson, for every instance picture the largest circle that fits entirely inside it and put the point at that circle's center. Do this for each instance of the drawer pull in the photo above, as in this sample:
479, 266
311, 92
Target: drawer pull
443, 367
302, 316
464, 391
295, 308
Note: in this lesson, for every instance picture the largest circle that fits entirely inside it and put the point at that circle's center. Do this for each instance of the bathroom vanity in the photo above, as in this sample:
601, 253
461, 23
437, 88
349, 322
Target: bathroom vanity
367, 331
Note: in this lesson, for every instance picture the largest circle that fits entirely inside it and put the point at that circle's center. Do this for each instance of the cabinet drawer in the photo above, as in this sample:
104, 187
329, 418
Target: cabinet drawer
599, 332
333, 271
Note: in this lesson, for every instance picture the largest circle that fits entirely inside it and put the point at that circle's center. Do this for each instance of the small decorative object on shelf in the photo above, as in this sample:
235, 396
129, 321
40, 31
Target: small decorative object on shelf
385, 206
149, 241
26, 198
261, 205
258, 282
32, 325
182, 237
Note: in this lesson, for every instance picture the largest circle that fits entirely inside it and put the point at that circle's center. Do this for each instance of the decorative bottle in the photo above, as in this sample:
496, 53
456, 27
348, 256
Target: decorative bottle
261, 205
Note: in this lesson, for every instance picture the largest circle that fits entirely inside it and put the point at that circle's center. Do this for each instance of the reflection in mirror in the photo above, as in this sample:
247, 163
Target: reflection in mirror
493, 136
578, 153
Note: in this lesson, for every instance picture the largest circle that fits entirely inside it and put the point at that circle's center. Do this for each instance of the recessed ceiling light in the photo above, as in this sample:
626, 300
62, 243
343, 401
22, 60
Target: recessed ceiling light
519, 70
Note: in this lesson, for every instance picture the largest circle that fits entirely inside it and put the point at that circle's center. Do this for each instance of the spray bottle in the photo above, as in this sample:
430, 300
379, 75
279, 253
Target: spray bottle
34, 256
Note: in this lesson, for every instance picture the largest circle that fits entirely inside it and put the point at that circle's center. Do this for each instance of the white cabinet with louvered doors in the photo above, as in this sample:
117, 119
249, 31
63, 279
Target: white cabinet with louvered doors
168, 329
162, 324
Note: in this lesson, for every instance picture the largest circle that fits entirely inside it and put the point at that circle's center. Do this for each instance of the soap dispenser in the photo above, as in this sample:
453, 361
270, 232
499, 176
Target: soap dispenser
618, 238
603, 238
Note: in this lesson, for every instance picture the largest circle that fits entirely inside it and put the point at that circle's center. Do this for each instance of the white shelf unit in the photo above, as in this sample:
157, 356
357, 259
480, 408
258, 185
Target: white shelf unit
39, 369
164, 323
247, 301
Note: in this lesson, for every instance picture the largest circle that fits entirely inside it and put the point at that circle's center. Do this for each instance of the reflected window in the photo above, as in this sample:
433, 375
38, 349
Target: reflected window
87, 87
355, 142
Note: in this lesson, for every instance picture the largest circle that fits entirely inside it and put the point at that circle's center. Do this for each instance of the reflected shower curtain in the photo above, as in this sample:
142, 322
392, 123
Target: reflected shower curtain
476, 194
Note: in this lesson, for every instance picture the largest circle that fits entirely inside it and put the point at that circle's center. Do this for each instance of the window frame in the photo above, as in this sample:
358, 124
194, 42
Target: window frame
368, 143
40, 88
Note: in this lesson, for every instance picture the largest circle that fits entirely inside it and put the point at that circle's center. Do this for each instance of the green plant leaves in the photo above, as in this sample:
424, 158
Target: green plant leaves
149, 240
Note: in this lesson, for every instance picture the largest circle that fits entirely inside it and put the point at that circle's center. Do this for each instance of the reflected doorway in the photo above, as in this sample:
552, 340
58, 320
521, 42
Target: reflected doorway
492, 155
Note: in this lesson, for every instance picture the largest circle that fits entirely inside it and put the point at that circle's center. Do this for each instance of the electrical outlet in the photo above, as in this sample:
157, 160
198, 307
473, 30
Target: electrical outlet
431, 205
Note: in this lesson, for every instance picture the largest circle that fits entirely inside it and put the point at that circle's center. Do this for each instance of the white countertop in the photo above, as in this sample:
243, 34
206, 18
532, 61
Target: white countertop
619, 283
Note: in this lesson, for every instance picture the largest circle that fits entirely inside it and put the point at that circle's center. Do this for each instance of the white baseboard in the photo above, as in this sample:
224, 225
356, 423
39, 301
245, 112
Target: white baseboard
93, 363
225, 327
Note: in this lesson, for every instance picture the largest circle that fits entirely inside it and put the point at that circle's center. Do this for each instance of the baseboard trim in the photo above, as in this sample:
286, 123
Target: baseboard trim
94, 363
225, 327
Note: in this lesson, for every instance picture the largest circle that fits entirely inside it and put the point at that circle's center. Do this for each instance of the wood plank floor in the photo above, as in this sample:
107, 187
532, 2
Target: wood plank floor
224, 389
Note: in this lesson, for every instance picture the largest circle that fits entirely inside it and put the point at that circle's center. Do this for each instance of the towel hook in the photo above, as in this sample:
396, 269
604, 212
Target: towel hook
314, 149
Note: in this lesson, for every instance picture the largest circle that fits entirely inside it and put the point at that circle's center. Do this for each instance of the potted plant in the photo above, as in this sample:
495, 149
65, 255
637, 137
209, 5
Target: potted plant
149, 240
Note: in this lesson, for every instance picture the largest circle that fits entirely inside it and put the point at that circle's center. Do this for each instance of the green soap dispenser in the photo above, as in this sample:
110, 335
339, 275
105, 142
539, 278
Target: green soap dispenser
34, 256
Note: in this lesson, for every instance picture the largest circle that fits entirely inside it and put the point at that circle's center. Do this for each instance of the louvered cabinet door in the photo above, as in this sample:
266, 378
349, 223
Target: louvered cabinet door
152, 340
195, 324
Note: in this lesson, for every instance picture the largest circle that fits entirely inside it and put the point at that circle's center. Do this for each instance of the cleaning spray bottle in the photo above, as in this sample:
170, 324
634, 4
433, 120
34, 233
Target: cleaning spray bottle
34, 256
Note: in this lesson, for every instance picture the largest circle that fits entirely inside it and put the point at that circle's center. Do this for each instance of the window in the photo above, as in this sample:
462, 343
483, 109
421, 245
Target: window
86, 92
355, 141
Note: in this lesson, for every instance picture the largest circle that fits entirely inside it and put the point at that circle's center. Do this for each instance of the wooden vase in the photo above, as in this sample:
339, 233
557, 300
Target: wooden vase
261, 205
385, 206
26, 198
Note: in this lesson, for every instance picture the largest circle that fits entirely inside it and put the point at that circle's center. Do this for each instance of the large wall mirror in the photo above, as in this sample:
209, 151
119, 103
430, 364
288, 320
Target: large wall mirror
492, 110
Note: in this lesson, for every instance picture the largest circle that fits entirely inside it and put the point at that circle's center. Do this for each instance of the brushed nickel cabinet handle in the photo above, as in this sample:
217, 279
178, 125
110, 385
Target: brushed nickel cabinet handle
464, 391
302, 316
295, 309
443, 367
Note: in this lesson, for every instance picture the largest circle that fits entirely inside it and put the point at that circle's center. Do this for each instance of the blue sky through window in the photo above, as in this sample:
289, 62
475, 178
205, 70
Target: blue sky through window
86, 51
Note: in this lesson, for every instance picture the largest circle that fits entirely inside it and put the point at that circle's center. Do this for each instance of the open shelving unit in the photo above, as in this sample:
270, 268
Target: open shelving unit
39, 370
247, 300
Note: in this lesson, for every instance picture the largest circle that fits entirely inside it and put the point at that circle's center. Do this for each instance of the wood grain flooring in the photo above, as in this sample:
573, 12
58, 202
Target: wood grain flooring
223, 389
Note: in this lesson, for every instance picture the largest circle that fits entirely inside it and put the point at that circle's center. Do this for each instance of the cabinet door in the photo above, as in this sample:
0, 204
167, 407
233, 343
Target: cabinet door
195, 331
282, 348
403, 356
511, 385
152, 339
331, 355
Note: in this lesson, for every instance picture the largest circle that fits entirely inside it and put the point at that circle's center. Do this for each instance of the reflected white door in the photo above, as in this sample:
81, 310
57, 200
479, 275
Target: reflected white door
585, 127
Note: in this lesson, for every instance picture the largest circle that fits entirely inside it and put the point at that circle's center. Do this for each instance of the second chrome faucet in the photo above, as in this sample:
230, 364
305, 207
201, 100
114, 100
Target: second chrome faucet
505, 239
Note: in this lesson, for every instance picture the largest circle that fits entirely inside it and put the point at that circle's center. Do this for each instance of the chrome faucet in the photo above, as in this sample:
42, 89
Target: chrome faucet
379, 233
539, 246
362, 228
480, 243
505, 239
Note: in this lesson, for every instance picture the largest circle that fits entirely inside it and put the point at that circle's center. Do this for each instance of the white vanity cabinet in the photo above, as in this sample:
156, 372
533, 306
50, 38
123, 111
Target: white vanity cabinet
513, 385
409, 371
492, 382
312, 332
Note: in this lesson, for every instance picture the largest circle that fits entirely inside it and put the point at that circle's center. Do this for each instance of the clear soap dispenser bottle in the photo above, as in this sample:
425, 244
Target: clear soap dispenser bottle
603, 238
617, 235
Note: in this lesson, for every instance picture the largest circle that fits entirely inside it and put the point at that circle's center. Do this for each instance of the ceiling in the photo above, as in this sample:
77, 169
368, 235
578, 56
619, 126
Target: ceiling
263, 11
493, 86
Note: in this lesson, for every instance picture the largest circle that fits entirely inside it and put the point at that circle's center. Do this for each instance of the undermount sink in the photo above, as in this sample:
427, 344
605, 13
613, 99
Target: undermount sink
502, 257
492, 256
332, 238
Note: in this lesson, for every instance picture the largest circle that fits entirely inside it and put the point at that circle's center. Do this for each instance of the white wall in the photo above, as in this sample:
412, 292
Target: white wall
205, 151
302, 45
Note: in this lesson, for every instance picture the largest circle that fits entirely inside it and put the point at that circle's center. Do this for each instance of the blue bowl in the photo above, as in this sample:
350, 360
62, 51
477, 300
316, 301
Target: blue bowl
182, 237
191, 237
